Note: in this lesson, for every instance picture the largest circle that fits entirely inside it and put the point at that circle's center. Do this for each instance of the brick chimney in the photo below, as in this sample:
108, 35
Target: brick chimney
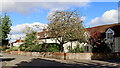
20, 39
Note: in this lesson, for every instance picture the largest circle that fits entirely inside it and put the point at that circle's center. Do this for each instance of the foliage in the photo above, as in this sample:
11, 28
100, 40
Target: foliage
50, 47
77, 49
30, 38
46, 47
22, 47
67, 25
35, 48
98, 43
14, 49
5, 29
4, 48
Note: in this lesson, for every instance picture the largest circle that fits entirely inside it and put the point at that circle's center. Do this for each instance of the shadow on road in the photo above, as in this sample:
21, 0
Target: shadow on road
6, 59
41, 63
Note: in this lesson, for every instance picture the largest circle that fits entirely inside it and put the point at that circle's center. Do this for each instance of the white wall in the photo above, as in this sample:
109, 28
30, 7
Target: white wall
50, 40
72, 44
17, 44
117, 44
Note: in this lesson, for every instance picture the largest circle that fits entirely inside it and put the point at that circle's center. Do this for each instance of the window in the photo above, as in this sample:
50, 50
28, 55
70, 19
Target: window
45, 35
109, 34
86, 35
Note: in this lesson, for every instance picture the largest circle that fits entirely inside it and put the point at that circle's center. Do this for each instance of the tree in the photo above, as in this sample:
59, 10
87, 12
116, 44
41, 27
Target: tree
65, 26
5, 25
30, 37
98, 43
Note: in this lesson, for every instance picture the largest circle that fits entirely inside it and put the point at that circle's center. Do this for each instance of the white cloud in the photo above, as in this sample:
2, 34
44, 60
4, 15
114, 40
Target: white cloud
15, 36
25, 7
83, 18
17, 31
108, 17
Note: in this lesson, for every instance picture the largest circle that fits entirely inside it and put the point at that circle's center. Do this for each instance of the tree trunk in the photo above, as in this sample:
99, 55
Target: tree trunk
61, 47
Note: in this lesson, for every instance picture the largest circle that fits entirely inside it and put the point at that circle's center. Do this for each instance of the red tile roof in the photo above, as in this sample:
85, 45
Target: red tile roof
98, 29
18, 40
103, 28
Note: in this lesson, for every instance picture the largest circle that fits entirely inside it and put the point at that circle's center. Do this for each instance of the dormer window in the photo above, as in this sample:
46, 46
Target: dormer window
109, 34
86, 35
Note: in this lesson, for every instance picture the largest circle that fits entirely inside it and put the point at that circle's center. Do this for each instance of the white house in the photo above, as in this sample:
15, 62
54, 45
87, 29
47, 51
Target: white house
43, 38
110, 32
17, 43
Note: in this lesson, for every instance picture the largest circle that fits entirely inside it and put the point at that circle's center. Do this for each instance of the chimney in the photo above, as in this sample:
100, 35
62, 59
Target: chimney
20, 39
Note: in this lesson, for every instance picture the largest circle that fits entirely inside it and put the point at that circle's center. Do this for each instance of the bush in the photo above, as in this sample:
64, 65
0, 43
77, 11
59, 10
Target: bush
35, 48
4, 48
22, 47
14, 49
77, 49
45, 47
50, 47
53, 48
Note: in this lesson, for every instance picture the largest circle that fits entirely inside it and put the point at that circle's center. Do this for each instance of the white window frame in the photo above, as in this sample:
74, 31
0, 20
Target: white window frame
109, 31
86, 35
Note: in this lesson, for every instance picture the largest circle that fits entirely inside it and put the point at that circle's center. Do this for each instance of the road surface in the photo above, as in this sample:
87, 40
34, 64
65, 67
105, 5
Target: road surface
9, 60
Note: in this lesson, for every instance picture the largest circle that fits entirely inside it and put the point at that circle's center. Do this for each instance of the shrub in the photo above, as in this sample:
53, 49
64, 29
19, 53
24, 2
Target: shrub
45, 47
22, 47
14, 49
4, 48
77, 49
53, 48
50, 47
36, 48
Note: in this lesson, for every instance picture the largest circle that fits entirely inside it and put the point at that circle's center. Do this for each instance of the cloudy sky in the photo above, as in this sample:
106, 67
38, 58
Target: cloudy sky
35, 12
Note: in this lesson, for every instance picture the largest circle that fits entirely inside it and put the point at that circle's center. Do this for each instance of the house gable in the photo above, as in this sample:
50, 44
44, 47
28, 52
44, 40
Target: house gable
109, 34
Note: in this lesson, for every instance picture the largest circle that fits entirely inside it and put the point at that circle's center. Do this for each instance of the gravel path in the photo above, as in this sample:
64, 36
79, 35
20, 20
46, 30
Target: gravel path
18, 61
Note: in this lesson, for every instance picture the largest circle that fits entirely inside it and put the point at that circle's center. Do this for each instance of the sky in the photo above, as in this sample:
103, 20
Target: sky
31, 13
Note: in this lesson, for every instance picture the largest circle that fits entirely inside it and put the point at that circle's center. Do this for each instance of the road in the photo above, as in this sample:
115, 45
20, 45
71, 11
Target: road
9, 60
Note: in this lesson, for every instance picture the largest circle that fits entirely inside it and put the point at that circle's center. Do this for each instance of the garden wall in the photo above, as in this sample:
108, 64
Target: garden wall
72, 56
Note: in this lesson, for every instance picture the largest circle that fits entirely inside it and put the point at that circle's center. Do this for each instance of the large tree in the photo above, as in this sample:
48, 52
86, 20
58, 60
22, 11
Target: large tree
65, 26
5, 24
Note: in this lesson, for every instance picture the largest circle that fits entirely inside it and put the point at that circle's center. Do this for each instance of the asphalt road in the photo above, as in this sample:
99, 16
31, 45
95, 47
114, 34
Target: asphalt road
14, 61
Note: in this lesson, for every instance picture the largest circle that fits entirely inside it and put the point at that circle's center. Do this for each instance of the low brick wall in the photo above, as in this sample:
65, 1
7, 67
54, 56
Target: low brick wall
105, 56
76, 56
79, 56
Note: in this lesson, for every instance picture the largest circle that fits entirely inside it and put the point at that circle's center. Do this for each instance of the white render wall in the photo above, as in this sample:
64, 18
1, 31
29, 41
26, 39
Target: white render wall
17, 44
50, 40
117, 44
72, 44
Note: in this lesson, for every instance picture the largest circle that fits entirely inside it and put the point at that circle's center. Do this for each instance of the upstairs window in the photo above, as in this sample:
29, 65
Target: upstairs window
109, 34
45, 35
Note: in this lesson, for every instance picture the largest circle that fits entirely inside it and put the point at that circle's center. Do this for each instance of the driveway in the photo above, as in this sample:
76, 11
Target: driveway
9, 60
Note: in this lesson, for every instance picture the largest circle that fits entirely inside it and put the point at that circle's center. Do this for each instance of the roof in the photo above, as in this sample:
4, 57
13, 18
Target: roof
116, 30
99, 29
103, 28
42, 34
18, 40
